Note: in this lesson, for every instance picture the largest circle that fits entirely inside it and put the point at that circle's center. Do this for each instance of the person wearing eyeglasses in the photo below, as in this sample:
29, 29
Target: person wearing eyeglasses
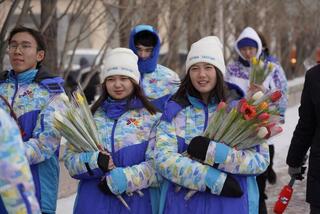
33, 95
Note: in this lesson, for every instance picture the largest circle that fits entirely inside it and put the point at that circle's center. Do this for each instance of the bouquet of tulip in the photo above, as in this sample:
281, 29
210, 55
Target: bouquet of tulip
260, 70
244, 124
247, 123
76, 124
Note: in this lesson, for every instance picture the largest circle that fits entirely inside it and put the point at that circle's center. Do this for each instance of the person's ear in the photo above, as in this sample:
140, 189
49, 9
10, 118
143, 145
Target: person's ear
40, 55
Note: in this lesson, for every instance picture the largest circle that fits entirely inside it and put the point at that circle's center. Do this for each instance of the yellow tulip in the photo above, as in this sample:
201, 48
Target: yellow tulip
79, 98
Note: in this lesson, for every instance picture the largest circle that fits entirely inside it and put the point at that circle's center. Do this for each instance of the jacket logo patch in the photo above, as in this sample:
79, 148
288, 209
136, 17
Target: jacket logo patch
26, 93
133, 121
152, 81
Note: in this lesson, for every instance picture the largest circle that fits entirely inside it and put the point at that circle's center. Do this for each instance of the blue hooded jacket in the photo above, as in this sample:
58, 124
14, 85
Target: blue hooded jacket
157, 81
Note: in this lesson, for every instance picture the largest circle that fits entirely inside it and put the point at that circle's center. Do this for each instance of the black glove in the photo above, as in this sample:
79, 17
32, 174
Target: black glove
103, 186
231, 188
297, 172
271, 176
198, 147
103, 162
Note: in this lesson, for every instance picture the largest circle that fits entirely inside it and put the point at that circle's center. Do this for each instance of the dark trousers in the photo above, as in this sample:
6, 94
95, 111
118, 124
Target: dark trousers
269, 175
314, 209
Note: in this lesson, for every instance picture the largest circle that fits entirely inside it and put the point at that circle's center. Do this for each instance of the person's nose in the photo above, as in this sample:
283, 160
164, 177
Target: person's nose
248, 54
202, 72
117, 84
143, 54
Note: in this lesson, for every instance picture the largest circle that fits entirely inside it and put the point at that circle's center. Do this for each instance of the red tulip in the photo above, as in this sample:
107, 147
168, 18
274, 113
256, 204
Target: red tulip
263, 116
275, 96
248, 111
221, 105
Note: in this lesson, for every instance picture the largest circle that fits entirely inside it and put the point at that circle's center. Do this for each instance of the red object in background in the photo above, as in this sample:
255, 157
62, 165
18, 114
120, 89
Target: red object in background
318, 55
284, 198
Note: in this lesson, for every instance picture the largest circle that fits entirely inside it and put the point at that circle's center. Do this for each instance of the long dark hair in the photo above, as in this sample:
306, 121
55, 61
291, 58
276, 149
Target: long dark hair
186, 87
137, 93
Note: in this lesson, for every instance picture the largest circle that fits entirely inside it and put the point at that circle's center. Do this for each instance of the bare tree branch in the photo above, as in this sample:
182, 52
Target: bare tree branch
33, 18
24, 12
45, 25
66, 11
5, 26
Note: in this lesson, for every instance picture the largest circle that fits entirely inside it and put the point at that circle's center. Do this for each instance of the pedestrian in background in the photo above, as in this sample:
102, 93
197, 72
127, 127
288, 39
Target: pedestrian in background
307, 136
247, 46
157, 81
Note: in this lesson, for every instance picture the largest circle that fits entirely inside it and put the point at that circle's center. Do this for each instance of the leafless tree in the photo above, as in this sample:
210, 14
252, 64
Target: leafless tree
285, 24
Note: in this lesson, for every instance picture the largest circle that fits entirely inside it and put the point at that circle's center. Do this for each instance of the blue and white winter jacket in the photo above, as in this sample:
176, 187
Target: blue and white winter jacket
126, 137
16, 185
34, 96
182, 120
157, 81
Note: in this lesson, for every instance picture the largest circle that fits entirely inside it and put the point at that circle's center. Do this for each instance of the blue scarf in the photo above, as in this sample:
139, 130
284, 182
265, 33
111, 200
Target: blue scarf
115, 108
25, 77
148, 65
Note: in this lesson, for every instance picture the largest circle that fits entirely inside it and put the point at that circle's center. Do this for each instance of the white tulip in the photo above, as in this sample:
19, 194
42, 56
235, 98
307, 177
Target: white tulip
262, 133
257, 95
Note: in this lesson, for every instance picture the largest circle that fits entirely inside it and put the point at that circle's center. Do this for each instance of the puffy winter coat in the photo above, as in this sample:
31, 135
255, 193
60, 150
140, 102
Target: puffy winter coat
126, 138
34, 96
182, 120
16, 185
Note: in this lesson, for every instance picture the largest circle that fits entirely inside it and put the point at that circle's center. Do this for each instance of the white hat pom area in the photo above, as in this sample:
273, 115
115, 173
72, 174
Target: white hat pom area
209, 50
121, 61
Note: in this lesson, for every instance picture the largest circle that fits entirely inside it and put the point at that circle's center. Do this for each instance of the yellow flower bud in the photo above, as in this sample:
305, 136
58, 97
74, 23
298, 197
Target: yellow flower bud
79, 98
263, 106
270, 66
254, 60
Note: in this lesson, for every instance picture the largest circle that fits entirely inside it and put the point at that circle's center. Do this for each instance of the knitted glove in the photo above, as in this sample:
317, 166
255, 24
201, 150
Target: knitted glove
198, 147
103, 162
231, 188
103, 186
222, 184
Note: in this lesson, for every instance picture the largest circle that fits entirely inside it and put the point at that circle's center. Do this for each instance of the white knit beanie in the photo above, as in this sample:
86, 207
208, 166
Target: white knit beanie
121, 61
209, 50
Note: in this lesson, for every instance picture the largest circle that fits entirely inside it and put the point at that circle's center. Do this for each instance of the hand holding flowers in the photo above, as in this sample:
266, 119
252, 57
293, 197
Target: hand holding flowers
77, 126
247, 123
260, 70
240, 125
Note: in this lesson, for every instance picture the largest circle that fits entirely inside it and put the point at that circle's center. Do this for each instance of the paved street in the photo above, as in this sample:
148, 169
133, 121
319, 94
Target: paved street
297, 203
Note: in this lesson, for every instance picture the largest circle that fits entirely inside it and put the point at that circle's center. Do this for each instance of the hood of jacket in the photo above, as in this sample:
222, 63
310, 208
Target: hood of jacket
250, 33
150, 64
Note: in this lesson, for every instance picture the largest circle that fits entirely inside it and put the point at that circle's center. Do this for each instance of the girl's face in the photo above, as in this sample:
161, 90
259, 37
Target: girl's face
204, 78
119, 87
248, 52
